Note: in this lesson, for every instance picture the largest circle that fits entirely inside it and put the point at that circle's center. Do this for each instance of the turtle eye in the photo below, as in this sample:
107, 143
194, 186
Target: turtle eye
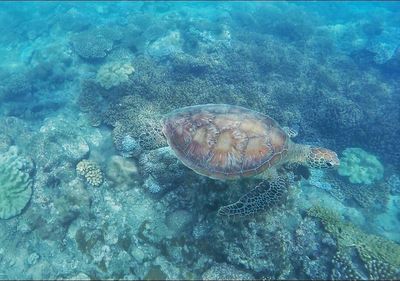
329, 164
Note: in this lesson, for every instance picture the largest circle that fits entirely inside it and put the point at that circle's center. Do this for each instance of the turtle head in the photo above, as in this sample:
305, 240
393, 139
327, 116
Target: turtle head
322, 158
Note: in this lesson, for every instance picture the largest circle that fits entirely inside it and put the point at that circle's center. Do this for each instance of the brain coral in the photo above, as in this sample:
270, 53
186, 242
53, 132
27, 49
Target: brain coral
90, 171
360, 166
114, 73
15, 184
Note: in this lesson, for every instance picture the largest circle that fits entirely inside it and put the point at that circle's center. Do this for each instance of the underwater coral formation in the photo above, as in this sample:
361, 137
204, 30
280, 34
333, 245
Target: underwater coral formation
394, 184
15, 183
94, 43
360, 166
125, 143
90, 171
369, 196
331, 69
379, 256
139, 120
225, 271
161, 170
16, 86
114, 73
123, 173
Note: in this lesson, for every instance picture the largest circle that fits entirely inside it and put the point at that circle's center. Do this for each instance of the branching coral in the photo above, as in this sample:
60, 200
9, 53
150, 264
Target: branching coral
378, 255
15, 184
90, 171
343, 268
360, 166
114, 73
379, 270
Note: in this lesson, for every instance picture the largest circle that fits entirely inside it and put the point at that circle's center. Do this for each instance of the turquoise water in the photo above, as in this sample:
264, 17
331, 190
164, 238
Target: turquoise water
93, 187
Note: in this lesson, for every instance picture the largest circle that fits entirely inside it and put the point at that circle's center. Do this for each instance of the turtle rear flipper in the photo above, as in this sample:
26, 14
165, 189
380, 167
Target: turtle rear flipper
264, 196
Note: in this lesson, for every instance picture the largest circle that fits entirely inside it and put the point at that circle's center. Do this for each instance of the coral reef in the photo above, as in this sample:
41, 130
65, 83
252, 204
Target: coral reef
58, 142
253, 247
151, 185
225, 271
15, 183
369, 196
381, 257
93, 43
91, 101
360, 166
139, 120
124, 143
161, 170
114, 73
90, 171
16, 86
5, 142
165, 46
343, 269
122, 173
317, 179
394, 184
312, 250
73, 20
329, 68
130, 147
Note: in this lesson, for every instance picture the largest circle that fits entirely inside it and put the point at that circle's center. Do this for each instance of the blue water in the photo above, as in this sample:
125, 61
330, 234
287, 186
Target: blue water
92, 187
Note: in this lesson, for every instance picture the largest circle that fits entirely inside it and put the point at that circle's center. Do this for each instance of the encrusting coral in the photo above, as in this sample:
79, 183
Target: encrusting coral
90, 171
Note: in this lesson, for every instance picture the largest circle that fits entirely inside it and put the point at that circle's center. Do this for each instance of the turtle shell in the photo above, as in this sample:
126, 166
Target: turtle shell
225, 141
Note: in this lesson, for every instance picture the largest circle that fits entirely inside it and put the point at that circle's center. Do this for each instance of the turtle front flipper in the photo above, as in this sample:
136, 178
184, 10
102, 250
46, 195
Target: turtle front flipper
264, 196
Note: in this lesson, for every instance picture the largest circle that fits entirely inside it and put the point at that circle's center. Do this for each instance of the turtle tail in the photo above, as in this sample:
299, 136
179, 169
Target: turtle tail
264, 196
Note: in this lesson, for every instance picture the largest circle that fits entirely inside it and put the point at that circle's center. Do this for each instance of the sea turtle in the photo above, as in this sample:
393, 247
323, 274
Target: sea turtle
230, 142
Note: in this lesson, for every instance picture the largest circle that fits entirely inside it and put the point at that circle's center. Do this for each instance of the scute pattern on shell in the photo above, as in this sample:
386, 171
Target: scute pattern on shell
224, 141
